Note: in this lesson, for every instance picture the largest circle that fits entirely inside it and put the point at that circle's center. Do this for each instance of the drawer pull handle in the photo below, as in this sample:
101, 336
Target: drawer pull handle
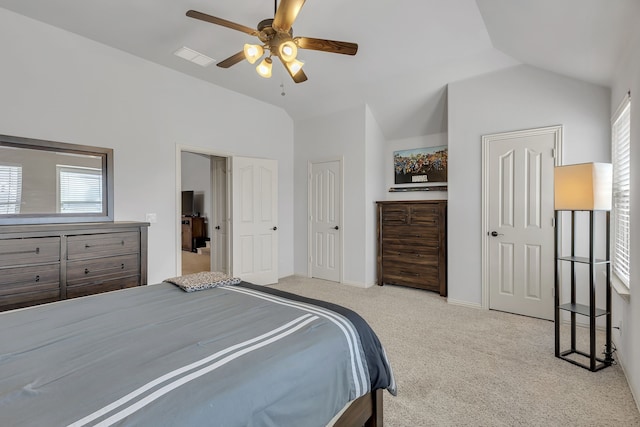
87, 246
87, 271
37, 278
36, 251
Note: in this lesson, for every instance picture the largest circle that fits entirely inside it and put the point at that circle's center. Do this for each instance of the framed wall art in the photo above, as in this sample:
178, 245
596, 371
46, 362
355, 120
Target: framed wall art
421, 165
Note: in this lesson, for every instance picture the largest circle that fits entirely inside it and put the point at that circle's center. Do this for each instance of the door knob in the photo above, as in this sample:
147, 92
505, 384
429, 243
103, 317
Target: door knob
336, 228
496, 234
274, 228
217, 227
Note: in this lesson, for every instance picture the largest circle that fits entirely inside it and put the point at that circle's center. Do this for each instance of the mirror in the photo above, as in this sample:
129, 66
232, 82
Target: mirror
54, 182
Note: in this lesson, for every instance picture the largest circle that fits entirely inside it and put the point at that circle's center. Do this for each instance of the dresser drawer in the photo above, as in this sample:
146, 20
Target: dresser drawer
425, 277
24, 286
102, 245
34, 250
413, 256
410, 235
395, 215
27, 299
425, 215
86, 272
29, 278
91, 288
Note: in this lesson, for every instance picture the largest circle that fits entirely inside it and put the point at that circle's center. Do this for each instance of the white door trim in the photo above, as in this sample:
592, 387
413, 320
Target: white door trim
224, 220
310, 163
178, 197
486, 140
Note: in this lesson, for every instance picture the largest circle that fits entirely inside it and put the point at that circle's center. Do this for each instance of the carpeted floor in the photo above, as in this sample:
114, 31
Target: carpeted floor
193, 262
458, 366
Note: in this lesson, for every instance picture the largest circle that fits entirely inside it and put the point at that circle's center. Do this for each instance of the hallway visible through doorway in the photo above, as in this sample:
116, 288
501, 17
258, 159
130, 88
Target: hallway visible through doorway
195, 262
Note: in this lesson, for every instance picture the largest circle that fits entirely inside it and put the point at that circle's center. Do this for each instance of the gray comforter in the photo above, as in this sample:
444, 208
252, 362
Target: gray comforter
158, 356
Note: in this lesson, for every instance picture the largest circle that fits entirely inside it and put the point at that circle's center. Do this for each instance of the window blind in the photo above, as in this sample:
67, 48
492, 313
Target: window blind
620, 134
10, 189
79, 190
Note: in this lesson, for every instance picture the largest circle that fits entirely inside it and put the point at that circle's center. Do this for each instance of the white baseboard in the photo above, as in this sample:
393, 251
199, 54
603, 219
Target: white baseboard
344, 282
356, 284
620, 361
464, 303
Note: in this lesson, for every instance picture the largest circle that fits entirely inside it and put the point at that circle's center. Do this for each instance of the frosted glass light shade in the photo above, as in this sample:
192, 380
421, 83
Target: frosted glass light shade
264, 68
288, 51
583, 187
294, 66
252, 52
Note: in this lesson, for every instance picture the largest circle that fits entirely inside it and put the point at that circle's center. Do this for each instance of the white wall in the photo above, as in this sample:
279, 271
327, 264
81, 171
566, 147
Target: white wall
375, 190
628, 342
433, 140
520, 97
58, 86
333, 136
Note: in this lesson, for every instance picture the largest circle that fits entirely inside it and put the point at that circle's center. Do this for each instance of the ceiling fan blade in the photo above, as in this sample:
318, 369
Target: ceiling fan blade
298, 77
286, 13
333, 46
219, 21
232, 60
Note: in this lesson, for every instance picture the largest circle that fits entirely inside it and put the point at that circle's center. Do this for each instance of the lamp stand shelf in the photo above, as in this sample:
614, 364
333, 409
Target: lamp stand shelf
590, 310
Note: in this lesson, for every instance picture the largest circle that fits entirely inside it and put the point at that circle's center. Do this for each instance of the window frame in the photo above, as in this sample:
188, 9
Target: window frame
18, 190
620, 244
60, 169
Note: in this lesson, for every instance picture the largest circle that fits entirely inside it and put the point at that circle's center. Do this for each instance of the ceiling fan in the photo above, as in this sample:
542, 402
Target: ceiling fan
276, 36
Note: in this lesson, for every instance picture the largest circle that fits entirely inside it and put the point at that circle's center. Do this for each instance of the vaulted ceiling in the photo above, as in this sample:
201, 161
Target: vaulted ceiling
408, 49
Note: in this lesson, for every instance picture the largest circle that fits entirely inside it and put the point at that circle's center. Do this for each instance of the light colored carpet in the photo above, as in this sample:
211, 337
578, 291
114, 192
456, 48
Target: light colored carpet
458, 366
193, 262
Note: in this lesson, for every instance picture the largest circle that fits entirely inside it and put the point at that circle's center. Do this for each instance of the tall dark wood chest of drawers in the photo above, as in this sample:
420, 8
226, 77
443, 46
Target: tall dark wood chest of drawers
51, 262
412, 244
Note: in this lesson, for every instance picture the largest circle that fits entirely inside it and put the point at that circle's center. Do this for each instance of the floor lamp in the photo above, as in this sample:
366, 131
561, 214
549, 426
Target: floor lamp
583, 187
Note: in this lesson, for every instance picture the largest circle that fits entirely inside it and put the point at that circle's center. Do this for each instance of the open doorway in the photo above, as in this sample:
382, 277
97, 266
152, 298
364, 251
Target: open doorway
203, 213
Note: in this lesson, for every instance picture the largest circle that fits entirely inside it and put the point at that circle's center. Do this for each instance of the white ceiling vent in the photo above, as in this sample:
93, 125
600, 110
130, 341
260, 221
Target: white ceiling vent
193, 56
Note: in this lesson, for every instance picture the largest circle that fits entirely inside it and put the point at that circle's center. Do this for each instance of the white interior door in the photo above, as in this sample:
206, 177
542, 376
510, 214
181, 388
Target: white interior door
519, 221
219, 216
254, 219
325, 209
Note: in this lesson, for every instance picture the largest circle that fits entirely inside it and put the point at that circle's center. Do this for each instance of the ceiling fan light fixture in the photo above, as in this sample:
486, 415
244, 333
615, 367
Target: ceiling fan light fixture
252, 52
264, 68
276, 36
288, 51
294, 66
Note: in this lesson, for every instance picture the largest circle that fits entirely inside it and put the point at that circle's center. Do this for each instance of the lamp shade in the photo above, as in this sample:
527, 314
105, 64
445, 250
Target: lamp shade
583, 187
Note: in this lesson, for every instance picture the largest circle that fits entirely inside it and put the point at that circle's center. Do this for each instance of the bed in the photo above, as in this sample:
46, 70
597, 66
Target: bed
239, 355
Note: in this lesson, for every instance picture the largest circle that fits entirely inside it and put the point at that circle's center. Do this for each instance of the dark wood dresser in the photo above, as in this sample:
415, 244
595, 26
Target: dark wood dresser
193, 231
412, 244
51, 262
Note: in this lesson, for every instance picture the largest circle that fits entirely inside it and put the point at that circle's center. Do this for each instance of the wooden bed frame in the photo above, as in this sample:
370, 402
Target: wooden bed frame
364, 411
